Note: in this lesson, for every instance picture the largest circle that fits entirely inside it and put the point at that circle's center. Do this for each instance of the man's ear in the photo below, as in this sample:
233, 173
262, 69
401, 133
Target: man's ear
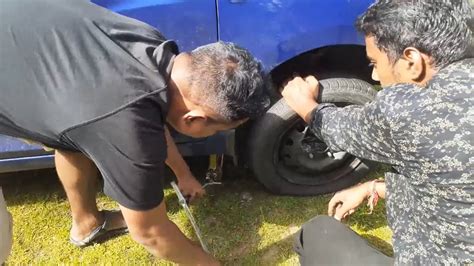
195, 115
241, 121
415, 63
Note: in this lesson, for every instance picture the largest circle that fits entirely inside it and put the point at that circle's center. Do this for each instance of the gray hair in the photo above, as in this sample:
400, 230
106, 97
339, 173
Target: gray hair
228, 80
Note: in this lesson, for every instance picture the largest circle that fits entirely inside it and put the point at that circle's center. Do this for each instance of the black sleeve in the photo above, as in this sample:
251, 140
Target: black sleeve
129, 149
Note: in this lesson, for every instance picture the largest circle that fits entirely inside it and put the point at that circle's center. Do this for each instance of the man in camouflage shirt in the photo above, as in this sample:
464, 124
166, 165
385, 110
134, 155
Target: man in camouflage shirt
421, 123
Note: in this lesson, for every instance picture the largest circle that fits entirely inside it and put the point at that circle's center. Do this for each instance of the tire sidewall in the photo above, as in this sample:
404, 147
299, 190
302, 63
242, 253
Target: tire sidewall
265, 142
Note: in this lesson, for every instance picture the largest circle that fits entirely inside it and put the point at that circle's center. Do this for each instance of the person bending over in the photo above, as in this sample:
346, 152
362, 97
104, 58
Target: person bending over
100, 88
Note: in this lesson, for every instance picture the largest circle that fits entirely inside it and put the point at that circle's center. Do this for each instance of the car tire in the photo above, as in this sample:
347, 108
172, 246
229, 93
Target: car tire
283, 175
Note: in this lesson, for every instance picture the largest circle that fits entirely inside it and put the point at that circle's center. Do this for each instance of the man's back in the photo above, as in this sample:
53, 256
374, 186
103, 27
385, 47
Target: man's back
65, 63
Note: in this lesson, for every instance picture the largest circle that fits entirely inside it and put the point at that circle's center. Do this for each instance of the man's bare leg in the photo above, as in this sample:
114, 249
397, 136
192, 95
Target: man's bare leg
78, 174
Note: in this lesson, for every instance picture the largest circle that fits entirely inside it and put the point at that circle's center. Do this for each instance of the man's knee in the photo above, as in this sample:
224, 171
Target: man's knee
314, 237
313, 229
151, 238
321, 240
152, 229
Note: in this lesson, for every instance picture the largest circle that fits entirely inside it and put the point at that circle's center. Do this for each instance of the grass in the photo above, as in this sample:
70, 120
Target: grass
238, 231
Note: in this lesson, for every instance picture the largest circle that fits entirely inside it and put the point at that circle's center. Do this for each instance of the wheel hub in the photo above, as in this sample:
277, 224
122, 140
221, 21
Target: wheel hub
307, 160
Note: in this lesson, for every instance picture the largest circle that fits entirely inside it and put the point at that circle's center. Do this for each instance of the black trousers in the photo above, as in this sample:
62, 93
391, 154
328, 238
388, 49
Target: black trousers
326, 241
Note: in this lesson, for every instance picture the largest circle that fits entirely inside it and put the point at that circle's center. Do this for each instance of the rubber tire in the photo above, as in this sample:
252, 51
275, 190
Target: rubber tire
268, 130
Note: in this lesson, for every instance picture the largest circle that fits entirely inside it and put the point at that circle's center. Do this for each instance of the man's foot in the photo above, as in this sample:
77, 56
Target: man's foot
111, 224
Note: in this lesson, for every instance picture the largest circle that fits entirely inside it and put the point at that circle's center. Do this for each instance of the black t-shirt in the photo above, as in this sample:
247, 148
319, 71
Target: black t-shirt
79, 77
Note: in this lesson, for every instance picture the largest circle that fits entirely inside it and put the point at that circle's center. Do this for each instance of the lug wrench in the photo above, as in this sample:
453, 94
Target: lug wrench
184, 204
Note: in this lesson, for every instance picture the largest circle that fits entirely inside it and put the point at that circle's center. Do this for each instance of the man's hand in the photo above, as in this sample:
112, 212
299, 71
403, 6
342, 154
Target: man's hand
190, 187
345, 202
301, 94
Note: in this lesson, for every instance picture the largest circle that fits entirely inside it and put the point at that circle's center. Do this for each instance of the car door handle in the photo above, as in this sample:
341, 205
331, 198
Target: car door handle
236, 1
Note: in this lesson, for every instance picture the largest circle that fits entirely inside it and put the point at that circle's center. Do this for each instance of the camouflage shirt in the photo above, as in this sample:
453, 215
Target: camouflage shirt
426, 135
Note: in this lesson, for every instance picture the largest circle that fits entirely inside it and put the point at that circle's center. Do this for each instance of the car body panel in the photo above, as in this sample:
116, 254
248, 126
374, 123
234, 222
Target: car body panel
17, 155
273, 30
277, 30
191, 23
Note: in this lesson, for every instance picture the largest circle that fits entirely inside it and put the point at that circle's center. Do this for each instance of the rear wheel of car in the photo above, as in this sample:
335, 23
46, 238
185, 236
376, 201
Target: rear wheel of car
277, 157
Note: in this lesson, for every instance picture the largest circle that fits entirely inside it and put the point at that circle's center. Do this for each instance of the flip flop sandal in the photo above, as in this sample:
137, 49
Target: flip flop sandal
101, 233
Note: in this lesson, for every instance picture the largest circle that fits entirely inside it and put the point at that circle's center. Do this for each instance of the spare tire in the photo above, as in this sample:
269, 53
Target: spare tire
282, 166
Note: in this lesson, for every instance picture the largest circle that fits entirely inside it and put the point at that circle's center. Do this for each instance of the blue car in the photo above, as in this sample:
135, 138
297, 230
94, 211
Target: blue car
315, 37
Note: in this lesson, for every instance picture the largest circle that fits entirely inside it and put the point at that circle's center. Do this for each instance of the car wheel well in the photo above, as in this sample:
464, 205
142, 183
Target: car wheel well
337, 61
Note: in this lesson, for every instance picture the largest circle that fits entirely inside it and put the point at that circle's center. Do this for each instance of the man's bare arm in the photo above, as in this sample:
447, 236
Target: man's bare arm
187, 183
174, 160
162, 238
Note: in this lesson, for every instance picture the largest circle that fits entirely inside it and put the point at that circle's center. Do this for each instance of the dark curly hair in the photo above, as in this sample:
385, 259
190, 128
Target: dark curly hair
228, 80
440, 28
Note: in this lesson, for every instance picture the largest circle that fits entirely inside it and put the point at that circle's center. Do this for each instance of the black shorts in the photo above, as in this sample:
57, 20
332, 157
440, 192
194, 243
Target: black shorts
326, 241
129, 149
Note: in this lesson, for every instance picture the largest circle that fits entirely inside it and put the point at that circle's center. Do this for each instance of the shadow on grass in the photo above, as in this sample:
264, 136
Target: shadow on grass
379, 244
260, 231
25, 188
249, 228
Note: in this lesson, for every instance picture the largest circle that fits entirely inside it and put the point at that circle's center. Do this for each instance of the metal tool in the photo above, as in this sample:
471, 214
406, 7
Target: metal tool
182, 201
215, 170
208, 184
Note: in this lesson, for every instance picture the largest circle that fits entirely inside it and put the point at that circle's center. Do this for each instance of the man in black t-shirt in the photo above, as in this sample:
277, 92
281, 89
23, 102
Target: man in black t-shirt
99, 88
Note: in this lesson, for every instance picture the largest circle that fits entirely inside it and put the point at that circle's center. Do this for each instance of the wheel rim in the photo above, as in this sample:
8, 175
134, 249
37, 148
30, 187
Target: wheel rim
299, 167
